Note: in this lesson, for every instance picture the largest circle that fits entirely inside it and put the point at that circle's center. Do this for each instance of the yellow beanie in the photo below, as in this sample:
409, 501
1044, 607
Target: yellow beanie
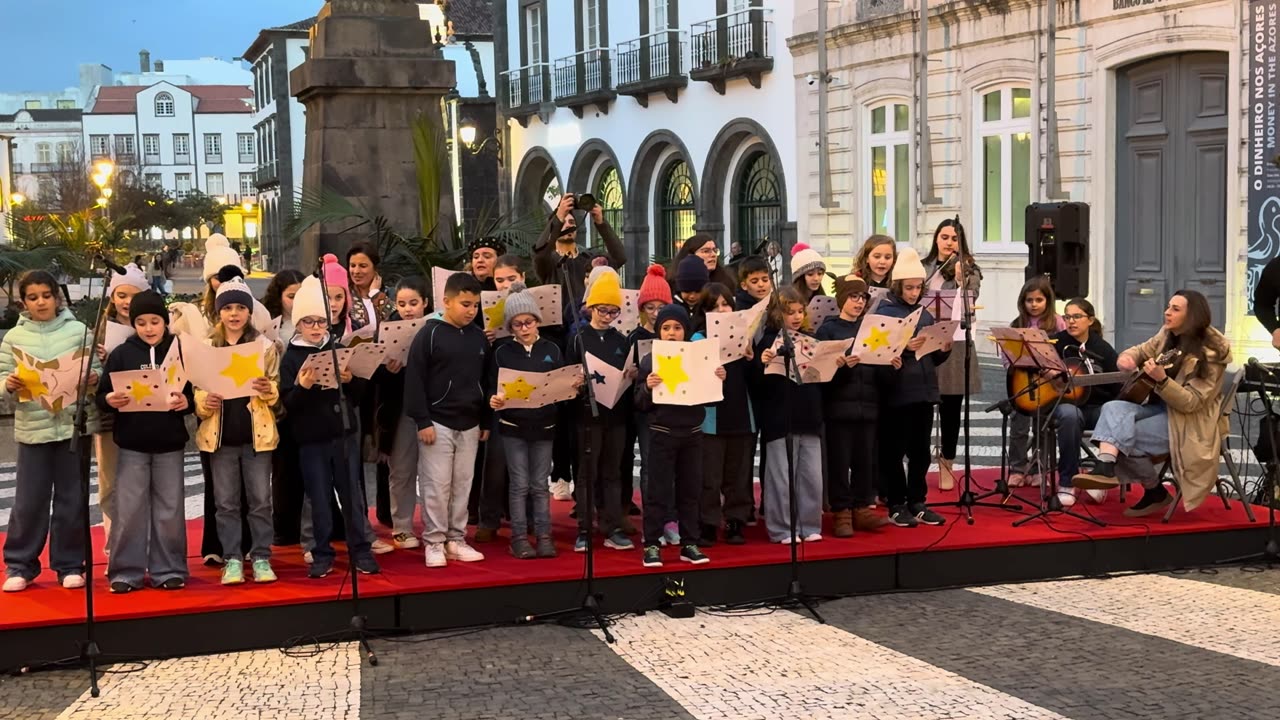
606, 290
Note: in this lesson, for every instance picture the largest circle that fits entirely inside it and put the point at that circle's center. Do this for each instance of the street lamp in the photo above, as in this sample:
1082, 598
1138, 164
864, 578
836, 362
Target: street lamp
467, 133
102, 178
17, 198
247, 206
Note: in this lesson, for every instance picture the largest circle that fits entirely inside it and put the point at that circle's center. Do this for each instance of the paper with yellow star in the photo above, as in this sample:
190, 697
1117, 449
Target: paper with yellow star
937, 335
609, 383
225, 371
881, 339
528, 390
146, 389
688, 372
397, 337
52, 383
172, 370
735, 330
816, 361
493, 304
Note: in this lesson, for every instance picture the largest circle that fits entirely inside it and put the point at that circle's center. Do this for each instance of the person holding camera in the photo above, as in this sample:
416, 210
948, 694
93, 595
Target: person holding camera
557, 247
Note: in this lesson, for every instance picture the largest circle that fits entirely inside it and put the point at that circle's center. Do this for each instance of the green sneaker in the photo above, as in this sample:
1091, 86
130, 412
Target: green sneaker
233, 572
262, 572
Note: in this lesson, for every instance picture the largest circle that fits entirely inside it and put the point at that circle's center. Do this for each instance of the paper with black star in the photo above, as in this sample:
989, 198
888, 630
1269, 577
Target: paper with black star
629, 318
816, 361
364, 359
366, 334
877, 296
529, 390
735, 330
397, 337
881, 339
321, 363
146, 390
936, 336
821, 307
688, 372
493, 307
439, 276
643, 349
608, 383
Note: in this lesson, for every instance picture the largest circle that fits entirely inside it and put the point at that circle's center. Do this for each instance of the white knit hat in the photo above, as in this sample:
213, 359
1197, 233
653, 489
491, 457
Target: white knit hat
218, 254
133, 276
311, 300
804, 259
908, 266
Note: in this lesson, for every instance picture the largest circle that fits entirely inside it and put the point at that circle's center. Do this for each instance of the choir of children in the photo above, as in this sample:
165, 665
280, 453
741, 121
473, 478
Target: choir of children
436, 409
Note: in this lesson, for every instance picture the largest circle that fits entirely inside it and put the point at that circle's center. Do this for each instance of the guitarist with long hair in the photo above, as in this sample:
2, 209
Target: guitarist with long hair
1183, 365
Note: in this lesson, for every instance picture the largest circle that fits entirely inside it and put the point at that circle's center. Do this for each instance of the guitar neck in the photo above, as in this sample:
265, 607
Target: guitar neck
1109, 378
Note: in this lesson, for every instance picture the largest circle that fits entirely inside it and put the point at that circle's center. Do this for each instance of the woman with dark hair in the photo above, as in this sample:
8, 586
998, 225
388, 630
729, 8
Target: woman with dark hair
370, 304
951, 266
1182, 419
704, 246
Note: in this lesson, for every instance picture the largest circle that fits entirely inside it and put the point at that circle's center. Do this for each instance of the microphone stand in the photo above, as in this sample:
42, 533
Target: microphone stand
358, 625
590, 606
84, 446
1270, 554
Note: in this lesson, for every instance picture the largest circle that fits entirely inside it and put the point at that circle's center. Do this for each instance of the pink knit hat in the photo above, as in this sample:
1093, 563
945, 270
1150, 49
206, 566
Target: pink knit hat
334, 273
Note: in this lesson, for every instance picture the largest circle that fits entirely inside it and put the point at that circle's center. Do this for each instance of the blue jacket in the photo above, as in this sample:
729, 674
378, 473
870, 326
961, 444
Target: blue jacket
32, 423
917, 381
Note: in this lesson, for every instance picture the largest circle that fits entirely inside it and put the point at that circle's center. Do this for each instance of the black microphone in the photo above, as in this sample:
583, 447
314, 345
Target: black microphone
1261, 368
319, 273
109, 264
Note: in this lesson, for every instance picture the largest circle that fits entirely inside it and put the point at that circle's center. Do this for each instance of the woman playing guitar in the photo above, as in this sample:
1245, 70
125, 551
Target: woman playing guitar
1182, 419
1082, 342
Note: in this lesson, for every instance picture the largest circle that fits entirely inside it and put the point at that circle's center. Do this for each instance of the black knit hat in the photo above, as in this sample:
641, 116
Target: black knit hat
674, 312
226, 272
147, 302
492, 243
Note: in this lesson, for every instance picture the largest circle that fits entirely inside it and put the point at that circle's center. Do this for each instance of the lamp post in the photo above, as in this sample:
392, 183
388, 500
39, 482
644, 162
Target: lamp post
467, 133
103, 170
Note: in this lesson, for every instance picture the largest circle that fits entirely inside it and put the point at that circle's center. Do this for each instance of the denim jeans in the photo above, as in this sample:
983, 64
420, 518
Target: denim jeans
323, 472
1072, 422
149, 535
445, 471
529, 465
403, 479
1137, 430
807, 452
235, 469
46, 472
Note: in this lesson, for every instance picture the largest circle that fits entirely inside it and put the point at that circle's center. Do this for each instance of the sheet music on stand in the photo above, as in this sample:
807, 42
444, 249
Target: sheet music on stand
948, 305
1027, 348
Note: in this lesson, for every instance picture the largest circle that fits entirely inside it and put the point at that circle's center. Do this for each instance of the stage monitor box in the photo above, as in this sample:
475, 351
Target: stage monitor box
1057, 237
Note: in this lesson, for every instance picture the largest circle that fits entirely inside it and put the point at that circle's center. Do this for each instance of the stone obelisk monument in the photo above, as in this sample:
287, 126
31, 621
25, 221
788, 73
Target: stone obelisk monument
373, 69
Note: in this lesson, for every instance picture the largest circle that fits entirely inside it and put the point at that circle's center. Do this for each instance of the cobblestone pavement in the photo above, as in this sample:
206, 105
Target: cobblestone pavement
1141, 646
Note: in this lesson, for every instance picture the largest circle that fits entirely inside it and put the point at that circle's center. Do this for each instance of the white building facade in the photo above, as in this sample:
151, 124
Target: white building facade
43, 143
6, 188
1150, 111
676, 116
179, 138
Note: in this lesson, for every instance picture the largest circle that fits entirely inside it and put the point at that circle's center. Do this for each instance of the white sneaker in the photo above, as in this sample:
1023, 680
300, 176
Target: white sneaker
462, 552
562, 490
435, 555
813, 537
406, 541
1097, 496
381, 547
15, 583
73, 582
1067, 498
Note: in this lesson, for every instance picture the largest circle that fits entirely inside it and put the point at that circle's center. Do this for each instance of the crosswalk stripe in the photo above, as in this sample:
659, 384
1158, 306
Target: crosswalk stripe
1232, 621
794, 667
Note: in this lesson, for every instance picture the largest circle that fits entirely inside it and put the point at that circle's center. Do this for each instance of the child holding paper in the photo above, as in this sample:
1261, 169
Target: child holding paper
787, 408
851, 408
676, 446
728, 437
1036, 309
526, 435
150, 532
241, 434
48, 463
398, 435
328, 445
910, 400
655, 293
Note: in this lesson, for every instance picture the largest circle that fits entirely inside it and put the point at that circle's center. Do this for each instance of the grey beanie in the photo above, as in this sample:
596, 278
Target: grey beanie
519, 302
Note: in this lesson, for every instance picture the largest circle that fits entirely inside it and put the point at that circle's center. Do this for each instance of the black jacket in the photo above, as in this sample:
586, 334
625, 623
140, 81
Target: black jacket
1267, 294
144, 432
774, 394
633, 341
677, 420
445, 376
313, 414
917, 381
611, 346
544, 356
1067, 348
546, 262
853, 395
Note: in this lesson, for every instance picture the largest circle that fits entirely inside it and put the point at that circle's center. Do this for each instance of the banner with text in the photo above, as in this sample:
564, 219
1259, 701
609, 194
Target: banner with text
1263, 21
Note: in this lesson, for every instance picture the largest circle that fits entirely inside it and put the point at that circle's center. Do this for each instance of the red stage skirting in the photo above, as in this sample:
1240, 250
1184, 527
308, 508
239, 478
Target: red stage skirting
403, 573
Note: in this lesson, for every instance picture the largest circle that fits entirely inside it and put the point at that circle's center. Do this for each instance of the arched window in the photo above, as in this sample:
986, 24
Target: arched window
888, 138
1002, 167
608, 194
164, 105
758, 200
676, 213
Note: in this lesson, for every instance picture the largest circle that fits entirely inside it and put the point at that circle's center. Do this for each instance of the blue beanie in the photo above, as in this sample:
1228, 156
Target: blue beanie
675, 312
692, 274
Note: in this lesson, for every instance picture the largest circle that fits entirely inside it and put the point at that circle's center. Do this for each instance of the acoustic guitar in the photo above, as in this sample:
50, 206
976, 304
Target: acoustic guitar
1139, 389
1045, 396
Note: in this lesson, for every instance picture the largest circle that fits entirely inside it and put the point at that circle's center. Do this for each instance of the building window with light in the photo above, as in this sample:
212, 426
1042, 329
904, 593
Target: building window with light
676, 208
246, 185
164, 105
888, 142
1002, 166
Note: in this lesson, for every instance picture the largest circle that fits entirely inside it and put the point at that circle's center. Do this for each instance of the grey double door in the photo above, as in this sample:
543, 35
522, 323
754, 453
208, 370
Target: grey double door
1171, 189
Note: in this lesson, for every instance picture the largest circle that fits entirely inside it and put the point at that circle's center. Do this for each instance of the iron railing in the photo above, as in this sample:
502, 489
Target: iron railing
651, 57
528, 85
732, 36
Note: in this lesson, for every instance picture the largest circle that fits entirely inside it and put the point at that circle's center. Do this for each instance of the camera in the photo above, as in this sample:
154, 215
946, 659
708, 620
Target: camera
584, 202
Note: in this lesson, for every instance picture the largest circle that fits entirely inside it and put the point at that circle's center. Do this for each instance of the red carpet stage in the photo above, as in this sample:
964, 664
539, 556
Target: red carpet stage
45, 622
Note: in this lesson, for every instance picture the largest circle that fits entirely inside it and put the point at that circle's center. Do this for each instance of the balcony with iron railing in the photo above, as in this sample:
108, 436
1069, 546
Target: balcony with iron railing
585, 78
266, 174
651, 63
528, 88
734, 45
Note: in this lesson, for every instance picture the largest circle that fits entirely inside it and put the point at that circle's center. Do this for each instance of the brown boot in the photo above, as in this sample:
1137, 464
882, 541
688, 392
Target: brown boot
864, 519
843, 525
486, 535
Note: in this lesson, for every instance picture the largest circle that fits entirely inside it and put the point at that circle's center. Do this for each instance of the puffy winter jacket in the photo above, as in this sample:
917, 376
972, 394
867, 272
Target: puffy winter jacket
917, 381
266, 434
853, 395
32, 424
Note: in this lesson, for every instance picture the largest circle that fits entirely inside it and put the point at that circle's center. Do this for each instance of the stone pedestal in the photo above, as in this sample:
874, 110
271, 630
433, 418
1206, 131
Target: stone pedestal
373, 69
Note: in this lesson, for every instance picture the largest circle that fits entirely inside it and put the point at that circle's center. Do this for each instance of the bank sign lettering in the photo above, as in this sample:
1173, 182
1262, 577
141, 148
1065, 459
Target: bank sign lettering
1264, 156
